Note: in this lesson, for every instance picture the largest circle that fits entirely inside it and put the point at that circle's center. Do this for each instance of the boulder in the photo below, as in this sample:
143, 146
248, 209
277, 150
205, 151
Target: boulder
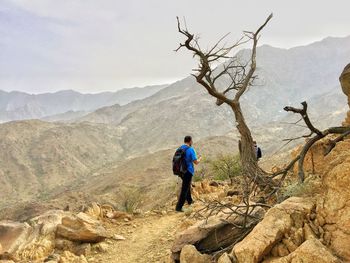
33, 241
14, 236
95, 211
335, 207
225, 258
345, 83
216, 232
278, 222
189, 254
81, 228
310, 251
48, 221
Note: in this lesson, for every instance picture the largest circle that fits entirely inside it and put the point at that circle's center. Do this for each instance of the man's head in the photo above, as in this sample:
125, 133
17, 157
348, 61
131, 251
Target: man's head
188, 140
254, 143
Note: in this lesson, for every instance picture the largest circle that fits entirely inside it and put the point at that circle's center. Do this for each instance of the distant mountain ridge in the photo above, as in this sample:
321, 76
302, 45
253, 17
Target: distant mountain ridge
39, 158
285, 77
17, 105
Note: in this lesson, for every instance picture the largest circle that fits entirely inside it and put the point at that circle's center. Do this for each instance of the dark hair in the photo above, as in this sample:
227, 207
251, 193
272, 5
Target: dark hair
187, 139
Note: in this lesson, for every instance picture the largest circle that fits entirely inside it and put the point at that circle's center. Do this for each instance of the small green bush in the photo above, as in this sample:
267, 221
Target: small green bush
130, 199
225, 167
310, 187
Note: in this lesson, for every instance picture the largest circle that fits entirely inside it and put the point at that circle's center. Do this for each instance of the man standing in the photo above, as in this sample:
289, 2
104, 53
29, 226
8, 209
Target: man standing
257, 151
190, 159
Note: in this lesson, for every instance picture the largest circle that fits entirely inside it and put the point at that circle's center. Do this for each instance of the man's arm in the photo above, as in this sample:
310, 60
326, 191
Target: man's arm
195, 159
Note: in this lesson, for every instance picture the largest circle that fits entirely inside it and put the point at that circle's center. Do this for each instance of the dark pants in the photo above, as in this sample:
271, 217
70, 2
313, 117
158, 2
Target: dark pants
185, 194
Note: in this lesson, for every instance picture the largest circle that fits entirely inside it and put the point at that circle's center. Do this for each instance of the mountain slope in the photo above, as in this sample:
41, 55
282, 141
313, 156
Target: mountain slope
38, 156
130, 144
286, 77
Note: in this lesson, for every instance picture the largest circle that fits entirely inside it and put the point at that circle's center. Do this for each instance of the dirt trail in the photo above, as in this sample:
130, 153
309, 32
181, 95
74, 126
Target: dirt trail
148, 240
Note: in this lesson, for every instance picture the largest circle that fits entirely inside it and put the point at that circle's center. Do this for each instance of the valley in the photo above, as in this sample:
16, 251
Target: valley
132, 144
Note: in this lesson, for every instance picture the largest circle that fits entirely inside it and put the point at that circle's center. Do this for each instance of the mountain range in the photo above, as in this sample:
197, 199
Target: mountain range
64, 104
41, 159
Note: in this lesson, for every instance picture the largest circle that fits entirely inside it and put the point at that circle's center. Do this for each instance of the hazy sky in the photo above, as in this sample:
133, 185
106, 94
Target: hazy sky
98, 45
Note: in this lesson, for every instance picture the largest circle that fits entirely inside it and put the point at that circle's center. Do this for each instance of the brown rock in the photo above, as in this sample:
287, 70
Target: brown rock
289, 244
212, 234
82, 228
64, 244
225, 258
68, 257
49, 221
82, 249
277, 222
14, 236
345, 83
118, 215
282, 250
308, 232
336, 202
311, 251
95, 211
298, 237
189, 254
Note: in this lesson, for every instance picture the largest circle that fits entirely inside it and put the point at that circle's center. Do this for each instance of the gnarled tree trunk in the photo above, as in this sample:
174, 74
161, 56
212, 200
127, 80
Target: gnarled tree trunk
241, 76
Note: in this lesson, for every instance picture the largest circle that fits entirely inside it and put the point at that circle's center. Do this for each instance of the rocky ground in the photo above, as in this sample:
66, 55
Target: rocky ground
310, 228
99, 234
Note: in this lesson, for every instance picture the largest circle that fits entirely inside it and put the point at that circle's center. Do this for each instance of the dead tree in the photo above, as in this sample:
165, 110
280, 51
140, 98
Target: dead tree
314, 136
240, 76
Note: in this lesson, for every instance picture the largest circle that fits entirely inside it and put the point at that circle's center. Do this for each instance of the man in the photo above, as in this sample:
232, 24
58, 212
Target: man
257, 151
190, 159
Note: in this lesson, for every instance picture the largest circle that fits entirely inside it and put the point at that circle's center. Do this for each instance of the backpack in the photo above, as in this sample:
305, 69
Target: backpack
179, 162
259, 153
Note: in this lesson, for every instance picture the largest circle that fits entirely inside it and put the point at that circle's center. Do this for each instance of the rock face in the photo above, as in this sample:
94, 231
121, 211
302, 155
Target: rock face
310, 251
284, 219
334, 210
189, 254
81, 228
345, 83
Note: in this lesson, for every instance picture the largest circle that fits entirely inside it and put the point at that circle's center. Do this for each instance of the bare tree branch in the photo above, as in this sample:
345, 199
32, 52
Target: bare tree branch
343, 131
239, 76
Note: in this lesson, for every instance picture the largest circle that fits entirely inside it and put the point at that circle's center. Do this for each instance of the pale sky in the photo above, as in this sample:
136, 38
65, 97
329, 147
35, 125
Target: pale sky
99, 45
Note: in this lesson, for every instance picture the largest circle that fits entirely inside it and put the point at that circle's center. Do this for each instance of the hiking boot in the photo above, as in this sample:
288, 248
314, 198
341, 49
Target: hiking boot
180, 210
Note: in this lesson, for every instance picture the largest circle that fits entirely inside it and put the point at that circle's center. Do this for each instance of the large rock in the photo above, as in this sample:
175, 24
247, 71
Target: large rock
81, 228
189, 254
311, 251
212, 234
334, 209
224, 258
277, 222
49, 221
33, 241
14, 236
345, 83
